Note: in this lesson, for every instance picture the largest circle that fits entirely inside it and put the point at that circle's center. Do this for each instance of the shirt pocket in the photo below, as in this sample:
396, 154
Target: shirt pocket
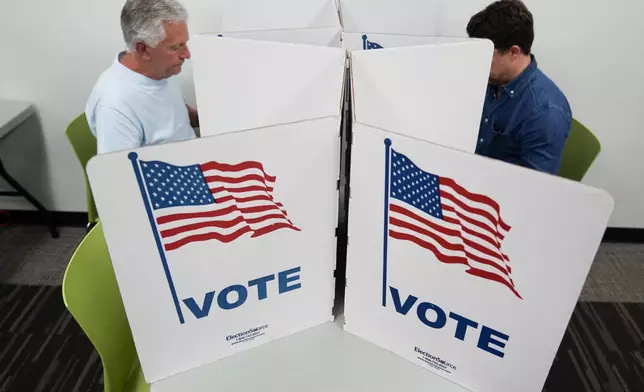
501, 142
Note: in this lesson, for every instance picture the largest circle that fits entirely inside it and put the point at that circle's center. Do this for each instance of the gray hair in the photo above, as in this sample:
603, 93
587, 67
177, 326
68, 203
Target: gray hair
142, 20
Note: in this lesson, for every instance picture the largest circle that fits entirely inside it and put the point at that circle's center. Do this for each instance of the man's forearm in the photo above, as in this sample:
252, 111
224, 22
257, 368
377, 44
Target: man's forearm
194, 116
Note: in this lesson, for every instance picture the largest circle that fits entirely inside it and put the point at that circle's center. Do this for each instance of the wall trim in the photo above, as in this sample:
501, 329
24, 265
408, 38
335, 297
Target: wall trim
24, 217
622, 234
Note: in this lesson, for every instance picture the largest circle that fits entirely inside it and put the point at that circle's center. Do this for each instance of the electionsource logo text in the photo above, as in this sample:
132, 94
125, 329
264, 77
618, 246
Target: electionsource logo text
247, 336
435, 362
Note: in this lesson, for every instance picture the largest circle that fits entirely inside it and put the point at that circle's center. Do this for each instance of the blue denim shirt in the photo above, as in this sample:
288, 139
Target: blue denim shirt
527, 124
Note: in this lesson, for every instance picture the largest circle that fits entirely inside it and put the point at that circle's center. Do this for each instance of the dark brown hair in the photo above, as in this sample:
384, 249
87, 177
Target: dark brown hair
506, 23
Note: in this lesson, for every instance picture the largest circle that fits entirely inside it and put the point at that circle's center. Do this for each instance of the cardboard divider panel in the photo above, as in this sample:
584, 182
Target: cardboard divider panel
467, 266
433, 93
221, 244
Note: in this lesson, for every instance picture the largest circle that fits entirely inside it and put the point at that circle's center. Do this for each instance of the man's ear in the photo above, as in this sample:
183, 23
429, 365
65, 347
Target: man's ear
142, 50
515, 52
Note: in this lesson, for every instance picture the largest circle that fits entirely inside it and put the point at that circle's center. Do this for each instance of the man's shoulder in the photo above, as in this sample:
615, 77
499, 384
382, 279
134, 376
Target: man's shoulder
546, 94
114, 89
111, 94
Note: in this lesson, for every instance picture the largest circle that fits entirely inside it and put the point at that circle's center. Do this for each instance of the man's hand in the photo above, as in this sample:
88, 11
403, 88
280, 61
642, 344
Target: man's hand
194, 116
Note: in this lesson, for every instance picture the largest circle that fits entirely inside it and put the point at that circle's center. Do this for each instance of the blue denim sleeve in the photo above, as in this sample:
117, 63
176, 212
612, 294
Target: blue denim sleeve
542, 137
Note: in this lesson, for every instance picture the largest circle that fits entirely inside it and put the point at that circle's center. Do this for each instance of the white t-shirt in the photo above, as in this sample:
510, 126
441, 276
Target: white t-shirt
127, 110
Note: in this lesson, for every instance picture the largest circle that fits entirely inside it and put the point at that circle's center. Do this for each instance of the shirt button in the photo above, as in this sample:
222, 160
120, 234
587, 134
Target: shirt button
486, 120
481, 140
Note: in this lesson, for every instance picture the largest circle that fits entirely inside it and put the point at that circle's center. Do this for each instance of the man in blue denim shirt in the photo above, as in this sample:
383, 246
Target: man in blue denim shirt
526, 118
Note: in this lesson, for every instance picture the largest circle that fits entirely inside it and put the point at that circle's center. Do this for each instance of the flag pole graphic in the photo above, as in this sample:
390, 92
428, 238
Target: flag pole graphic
148, 208
386, 222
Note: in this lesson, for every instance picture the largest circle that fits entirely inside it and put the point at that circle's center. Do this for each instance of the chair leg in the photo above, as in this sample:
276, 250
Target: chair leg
49, 219
90, 226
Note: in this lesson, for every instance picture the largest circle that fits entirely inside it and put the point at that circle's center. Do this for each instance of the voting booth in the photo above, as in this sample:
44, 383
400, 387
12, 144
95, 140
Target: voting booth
432, 92
215, 242
463, 265
221, 244
275, 81
467, 266
407, 79
247, 84
269, 67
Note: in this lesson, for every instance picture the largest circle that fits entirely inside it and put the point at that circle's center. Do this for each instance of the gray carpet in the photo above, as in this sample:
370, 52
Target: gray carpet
29, 256
43, 349
617, 275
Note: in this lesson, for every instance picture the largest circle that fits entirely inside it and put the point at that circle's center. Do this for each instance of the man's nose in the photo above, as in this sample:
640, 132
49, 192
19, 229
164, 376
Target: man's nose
186, 53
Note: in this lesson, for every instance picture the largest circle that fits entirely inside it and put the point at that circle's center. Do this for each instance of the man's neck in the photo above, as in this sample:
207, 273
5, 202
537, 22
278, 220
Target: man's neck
131, 61
522, 64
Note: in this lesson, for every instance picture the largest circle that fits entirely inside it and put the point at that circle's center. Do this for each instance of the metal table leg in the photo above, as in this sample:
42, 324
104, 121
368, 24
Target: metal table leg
20, 191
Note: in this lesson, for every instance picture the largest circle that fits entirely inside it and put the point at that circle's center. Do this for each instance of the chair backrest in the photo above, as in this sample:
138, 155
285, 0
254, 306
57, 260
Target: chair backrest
92, 296
84, 144
580, 151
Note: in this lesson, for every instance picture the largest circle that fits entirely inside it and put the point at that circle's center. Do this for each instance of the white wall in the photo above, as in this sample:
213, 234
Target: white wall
51, 55
593, 50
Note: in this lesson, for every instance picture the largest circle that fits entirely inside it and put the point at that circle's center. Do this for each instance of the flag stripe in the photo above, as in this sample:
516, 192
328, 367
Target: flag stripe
403, 211
419, 225
479, 235
448, 252
211, 214
472, 210
453, 260
489, 276
235, 180
469, 220
224, 224
442, 241
225, 238
489, 262
482, 211
251, 188
441, 257
448, 259
451, 216
251, 210
247, 199
483, 249
489, 249
474, 236
448, 245
224, 167
224, 231
205, 233
475, 197
273, 227
223, 211
189, 215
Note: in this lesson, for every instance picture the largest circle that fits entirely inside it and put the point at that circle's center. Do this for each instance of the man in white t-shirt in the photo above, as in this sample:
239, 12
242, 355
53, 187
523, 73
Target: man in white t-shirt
137, 101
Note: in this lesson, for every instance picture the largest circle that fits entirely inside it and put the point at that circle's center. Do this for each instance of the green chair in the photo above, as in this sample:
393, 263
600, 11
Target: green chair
92, 296
580, 151
84, 144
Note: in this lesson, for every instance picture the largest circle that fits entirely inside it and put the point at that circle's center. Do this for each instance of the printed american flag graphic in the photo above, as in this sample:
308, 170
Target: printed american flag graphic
212, 201
456, 225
